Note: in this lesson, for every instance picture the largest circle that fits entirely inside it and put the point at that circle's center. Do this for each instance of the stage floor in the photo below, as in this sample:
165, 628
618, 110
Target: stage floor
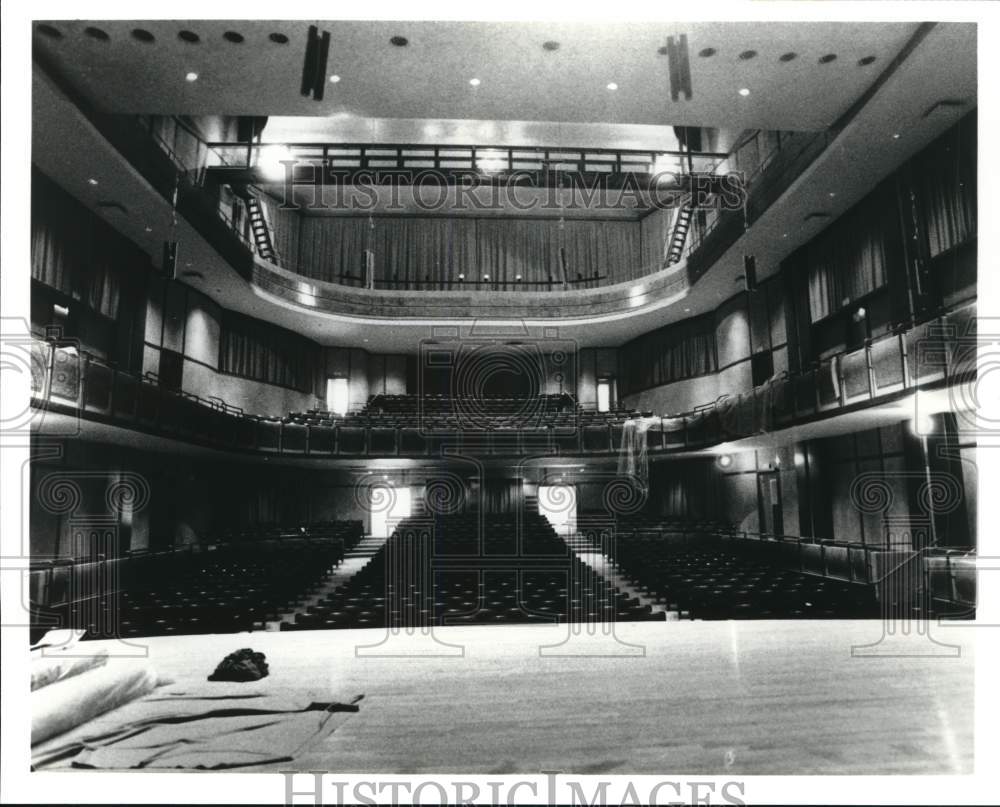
694, 697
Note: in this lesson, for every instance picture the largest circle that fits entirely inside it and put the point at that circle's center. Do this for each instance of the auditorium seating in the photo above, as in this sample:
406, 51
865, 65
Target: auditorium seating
693, 571
455, 570
234, 581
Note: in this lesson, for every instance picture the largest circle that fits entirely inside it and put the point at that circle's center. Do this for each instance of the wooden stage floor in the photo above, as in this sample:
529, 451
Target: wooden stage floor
706, 697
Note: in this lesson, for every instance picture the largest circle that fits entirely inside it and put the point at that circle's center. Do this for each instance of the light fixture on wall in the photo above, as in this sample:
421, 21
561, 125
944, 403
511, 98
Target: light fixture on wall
725, 460
923, 425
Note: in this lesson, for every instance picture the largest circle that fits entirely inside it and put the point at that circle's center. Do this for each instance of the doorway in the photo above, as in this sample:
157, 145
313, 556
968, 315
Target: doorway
558, 504
385, 520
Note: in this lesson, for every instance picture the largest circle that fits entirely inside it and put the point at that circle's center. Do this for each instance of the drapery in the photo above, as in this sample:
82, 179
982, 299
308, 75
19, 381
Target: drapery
414, 250
257, 350
850, 259
78, 254
674, 352
945, 175
503, 496
633, 460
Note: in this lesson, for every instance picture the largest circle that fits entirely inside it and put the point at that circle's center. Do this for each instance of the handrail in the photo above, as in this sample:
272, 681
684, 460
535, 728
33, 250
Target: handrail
104, 391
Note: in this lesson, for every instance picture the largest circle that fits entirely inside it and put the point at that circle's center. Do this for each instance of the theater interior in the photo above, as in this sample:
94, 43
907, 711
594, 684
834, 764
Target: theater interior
599, 396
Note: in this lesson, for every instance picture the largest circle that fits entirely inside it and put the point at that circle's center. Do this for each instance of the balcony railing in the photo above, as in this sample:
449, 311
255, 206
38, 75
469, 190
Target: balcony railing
937, 351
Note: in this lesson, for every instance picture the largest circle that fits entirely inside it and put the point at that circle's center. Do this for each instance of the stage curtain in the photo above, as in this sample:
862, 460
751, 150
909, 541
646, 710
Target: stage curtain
256, 350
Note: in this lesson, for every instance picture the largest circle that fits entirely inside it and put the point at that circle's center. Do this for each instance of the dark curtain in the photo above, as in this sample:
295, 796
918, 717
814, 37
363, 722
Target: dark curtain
78, 254
850, 259
682, 350
438, 249
945, 178
503, 496
257, 350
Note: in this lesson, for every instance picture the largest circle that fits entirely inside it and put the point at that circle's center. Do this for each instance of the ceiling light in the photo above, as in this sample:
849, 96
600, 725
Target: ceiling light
865, 61
233, 36
191, 77
334, 79
278, 39
748, 54
517, 277
92, 181
189, 36
461, 276
271, 161
551, 45
784, 235
725, 461
486, 277
612, 86
475, 82
687, 310
142, 35
832, 194
830, 57
704, 52
744, 92
896, 136
96, 33
787, 57
400, 41
149, 229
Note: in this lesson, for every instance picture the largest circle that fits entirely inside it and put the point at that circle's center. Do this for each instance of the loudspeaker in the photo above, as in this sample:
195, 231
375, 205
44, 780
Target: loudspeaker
314, 63
750, 273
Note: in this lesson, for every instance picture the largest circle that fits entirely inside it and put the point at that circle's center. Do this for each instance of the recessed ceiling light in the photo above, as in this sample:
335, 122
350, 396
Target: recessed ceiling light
143, 35
189, 36
475, 82
784, 235
744, 92
612, 86
96, 33
233, 36
334, 79
788, 57
400, 41
748, 54
866, 60
705, 52
191, 77
830, 57
551, 45
149, 229
687, 310
832, 194
896, 136
92, 181
49, 31
278, 39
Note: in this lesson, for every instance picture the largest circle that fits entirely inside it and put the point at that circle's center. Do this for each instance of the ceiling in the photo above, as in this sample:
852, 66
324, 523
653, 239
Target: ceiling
520, 80
65, 145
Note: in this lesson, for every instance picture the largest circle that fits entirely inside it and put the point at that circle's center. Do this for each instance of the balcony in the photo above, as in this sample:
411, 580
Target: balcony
934, 353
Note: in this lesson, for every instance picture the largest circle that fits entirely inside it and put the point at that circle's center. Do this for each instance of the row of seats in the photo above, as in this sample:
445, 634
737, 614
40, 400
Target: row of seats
704, 577
461, 569
228, 583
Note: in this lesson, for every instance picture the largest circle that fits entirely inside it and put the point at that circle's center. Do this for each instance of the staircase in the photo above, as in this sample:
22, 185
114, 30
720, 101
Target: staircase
354, 561
260, 227
678, 235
